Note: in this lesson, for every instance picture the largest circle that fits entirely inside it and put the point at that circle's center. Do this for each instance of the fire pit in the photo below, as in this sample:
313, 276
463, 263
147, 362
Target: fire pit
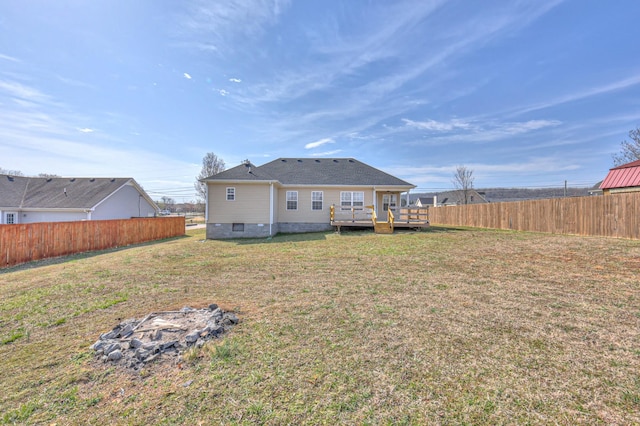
134, 343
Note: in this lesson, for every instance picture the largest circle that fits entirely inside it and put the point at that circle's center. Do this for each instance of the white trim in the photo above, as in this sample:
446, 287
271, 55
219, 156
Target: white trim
226, 193
321, 201
396, 188
15, 214
271, 204
625, 189
351, 198
286, 200
375, 200
206, 204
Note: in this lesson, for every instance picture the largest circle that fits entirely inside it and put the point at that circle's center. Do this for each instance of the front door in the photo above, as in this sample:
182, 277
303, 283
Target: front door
389, 202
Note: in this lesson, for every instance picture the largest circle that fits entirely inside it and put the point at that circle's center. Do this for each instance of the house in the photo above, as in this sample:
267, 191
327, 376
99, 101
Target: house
624, 178
595, 189
456, 198
425, 201
56, 199
291, 195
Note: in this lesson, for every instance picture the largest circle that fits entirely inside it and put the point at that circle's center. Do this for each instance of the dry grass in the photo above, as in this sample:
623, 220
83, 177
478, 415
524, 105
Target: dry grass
449, 326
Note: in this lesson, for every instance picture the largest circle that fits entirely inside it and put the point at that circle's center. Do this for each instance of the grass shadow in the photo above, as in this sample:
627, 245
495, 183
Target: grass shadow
284, 238
347, 232
439, 229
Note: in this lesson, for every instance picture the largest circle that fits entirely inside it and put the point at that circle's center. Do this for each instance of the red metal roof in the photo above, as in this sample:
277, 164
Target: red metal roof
623, 176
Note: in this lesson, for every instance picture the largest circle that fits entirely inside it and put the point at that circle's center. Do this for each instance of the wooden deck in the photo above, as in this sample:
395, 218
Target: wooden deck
366, 218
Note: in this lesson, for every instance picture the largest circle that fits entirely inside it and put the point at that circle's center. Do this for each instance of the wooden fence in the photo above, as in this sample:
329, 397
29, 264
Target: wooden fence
616, 215
33, 241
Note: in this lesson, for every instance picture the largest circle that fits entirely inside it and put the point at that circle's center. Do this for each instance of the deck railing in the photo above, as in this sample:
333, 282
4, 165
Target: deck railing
402, 215
353, 214
413, 214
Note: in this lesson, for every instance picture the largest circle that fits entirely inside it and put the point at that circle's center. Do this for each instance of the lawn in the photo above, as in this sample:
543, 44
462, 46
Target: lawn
446, 326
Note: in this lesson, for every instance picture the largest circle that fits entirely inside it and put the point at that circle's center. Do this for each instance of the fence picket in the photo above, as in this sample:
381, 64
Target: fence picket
614, 215
34, 241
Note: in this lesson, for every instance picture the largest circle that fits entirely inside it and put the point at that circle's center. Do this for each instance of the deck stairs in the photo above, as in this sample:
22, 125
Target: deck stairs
382, 227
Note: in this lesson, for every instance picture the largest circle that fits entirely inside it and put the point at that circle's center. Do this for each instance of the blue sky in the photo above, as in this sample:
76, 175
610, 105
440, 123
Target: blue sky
524, 93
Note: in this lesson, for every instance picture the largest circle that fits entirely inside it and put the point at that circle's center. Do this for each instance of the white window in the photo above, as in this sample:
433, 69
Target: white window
316, 200
349, 200
231, 194
10, 218
292, 200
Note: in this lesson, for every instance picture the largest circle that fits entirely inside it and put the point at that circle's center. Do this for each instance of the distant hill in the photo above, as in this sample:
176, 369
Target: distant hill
519, 194
497, 195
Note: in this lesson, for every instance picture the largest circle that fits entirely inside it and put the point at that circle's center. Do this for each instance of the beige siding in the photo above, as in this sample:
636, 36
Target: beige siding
251, 204
304, 214
276, 203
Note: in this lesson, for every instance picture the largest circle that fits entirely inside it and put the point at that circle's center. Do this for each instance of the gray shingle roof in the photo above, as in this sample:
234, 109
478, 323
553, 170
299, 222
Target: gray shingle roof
310, 171
70, 193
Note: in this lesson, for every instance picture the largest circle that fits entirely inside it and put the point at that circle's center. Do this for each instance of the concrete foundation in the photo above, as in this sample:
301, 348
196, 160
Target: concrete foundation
220, 231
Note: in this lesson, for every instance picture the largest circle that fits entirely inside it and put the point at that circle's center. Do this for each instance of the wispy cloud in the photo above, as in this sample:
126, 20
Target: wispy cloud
457, 130
363, 60
437, 126
440, 177
187, 76
34, 133
75, 83
235, 80
224, 21
9, 58
21, 91
582, 94
318, 143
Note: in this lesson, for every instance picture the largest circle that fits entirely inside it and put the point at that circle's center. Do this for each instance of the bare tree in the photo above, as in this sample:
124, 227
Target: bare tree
463, 182
48, 175
166, 203
211, 165
10, 172
630, 149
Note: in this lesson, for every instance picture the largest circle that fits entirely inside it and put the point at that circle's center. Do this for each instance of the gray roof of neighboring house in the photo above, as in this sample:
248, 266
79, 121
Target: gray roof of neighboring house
310, 171
57, 192
425, 200
457, 196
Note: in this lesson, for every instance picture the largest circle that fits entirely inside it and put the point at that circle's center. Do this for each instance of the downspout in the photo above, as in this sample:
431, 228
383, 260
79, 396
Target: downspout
271, 209
206, 205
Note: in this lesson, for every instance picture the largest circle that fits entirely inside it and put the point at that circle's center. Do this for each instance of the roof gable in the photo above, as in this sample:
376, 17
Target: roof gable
65, 193
310, 171
624, 176
245, 171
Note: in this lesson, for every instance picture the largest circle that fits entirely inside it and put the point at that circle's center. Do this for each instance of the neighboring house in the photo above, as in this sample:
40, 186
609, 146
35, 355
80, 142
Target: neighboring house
425, 201
456, 198
295, 195
56, 199
624, 178
595, 189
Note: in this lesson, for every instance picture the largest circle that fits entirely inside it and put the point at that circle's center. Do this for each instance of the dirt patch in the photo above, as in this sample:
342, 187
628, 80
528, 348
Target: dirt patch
162, 336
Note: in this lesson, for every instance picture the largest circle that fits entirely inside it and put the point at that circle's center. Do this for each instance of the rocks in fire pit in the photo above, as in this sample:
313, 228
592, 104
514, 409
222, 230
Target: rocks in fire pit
134, 343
